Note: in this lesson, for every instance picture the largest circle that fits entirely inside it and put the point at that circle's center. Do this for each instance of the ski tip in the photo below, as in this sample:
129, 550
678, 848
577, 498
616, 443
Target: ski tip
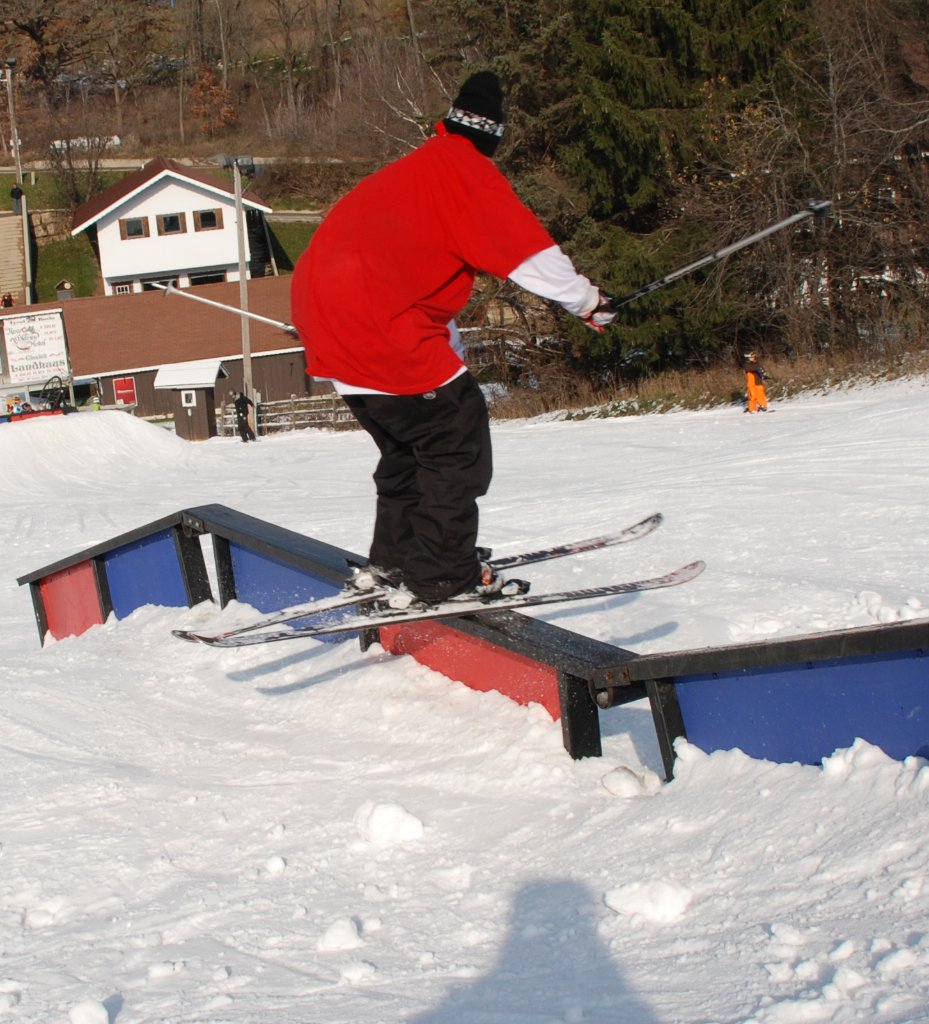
186, 634
644, 526
693, 570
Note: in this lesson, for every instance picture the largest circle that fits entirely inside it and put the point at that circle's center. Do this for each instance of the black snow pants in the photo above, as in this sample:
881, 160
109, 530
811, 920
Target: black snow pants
435, 463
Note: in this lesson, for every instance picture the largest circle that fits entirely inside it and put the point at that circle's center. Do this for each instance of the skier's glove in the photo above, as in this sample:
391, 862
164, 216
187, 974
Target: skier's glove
602, 315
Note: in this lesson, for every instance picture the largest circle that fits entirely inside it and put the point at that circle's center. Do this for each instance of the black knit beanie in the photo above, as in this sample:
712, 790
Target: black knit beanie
477, 112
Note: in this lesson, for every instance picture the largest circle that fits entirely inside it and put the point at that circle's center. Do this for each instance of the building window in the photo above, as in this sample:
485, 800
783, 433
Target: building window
122, 289
208, 220
213, 277
133, 227
152, 284
172, 223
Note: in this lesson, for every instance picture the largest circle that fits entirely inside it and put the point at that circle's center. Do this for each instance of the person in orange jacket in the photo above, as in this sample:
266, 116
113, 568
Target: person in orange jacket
754, 382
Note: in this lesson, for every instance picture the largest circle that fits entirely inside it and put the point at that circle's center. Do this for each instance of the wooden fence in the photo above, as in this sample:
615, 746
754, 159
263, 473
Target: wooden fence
294, 413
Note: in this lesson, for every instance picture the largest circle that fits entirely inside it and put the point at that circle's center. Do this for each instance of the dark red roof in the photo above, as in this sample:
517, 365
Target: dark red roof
112, 333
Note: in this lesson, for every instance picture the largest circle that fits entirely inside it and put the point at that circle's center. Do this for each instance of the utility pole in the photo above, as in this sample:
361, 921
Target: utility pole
243, 282
7, 72
238, 165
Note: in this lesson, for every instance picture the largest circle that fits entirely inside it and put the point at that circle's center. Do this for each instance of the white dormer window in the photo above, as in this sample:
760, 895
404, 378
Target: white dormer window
208, 220
133, 227
172, 223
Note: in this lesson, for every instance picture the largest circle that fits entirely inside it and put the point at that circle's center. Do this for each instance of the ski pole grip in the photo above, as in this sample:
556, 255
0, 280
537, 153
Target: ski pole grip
819, 207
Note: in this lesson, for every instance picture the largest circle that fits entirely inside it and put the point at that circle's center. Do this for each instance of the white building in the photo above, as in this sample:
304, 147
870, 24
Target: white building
170, 223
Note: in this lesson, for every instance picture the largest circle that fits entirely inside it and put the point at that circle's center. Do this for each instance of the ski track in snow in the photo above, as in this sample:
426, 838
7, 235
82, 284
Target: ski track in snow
309, 833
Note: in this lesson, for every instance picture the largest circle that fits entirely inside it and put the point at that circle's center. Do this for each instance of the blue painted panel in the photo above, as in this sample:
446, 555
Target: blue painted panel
805, 712
147, 571
268, 584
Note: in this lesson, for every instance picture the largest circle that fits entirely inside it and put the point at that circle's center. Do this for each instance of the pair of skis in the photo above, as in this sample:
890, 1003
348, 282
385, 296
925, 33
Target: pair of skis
369, 615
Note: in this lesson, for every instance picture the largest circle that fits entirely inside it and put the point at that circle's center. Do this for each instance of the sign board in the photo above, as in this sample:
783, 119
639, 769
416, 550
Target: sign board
35, 348
124, 391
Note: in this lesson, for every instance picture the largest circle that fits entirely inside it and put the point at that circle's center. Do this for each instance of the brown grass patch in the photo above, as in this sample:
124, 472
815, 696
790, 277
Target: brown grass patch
558, 391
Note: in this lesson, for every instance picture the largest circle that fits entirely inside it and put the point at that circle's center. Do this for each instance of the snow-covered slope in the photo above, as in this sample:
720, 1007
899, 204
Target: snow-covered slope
308, 833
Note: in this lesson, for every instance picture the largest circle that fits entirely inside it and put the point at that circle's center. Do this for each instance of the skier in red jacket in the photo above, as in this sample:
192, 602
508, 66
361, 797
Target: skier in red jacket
374, 299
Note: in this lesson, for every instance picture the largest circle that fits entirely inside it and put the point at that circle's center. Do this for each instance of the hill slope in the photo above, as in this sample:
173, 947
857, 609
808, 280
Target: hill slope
309, 833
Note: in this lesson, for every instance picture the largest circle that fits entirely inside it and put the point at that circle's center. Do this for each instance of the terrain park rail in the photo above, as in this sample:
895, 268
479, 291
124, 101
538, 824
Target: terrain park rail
790, 700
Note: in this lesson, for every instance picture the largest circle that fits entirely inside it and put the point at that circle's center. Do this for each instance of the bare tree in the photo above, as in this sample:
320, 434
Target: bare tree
849, 124
223, 43
230, 28
75, 140
49, 36
292, 24
124, 36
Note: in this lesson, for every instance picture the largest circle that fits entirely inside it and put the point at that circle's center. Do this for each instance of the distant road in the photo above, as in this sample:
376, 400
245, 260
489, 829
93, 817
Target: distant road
127, 164
303, 216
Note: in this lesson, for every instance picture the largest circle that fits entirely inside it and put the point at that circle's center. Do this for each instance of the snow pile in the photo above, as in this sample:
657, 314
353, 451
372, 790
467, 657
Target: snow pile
312, 833
386, 824
52, 454
654, 902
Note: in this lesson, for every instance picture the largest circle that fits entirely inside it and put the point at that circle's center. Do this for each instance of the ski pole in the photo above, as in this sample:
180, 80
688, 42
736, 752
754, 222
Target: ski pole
169, 289
814, 208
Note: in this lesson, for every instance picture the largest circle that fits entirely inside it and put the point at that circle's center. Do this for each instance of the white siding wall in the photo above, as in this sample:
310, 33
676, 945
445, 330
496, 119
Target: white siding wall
176, 254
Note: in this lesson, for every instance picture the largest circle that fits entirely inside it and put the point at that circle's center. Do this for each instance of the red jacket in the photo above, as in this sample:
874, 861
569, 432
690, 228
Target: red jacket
395, 260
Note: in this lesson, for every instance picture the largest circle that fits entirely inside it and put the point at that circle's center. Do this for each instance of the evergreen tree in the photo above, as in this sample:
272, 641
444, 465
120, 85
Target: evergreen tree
615, 107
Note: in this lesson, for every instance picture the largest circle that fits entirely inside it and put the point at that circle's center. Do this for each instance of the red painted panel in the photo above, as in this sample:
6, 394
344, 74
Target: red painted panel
477, 663
71, 601
35, 415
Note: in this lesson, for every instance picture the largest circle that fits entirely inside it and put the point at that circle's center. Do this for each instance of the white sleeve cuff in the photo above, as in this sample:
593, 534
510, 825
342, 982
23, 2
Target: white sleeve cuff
551, 274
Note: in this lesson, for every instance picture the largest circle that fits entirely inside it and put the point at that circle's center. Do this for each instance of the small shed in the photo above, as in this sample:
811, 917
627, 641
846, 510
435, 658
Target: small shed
193, 395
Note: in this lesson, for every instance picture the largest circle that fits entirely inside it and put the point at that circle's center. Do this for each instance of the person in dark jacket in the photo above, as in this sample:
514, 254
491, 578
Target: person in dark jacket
241, 402
374, 299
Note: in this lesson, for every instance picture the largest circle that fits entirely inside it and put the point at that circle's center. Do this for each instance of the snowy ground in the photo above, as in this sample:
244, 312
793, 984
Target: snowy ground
307, 833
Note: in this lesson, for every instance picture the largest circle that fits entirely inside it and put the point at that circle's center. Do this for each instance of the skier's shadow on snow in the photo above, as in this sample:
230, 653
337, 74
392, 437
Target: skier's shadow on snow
553, 967
562, 616
302, 659
113, 1005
